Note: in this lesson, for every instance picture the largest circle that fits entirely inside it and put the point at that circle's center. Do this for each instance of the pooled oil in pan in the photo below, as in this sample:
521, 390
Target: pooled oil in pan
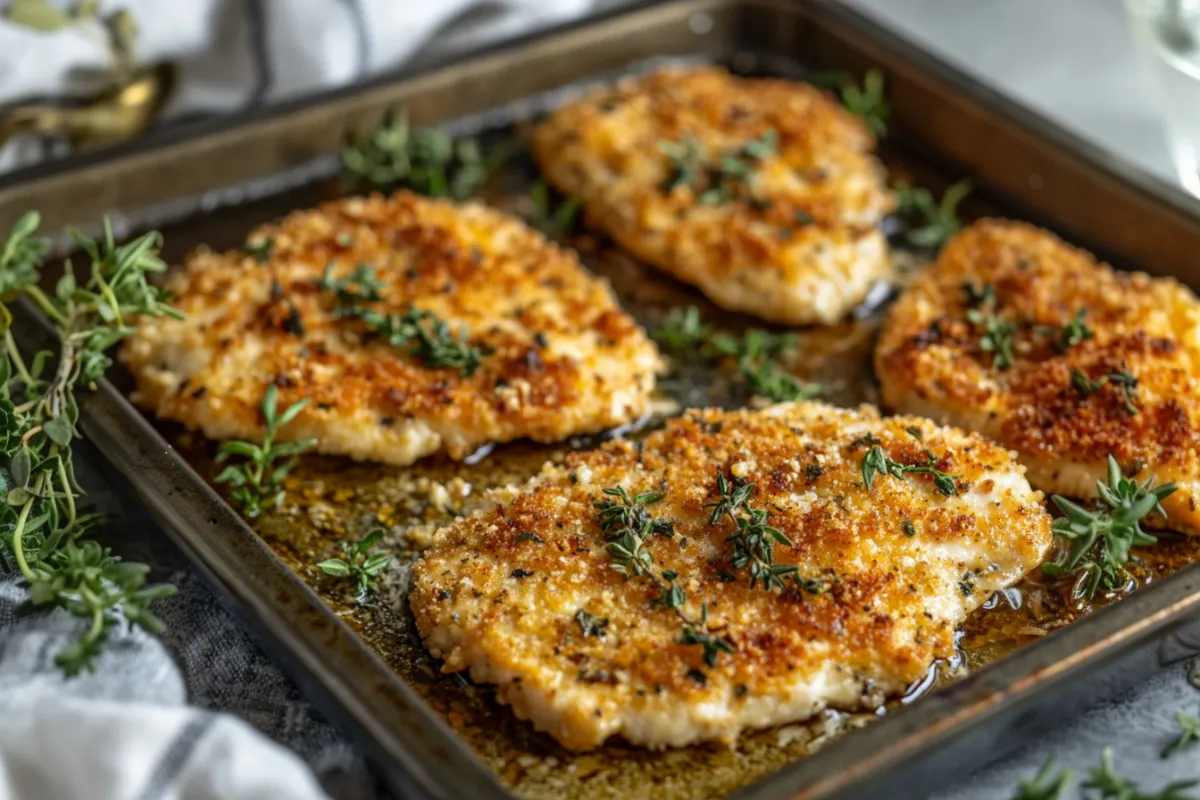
330, 501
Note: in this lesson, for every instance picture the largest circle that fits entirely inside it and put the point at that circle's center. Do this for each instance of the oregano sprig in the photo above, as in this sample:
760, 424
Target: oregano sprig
257, 482
43, 531
360, 563
1095, 543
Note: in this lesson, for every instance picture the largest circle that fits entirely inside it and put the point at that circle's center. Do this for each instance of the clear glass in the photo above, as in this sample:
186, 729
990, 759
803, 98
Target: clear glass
1167, 33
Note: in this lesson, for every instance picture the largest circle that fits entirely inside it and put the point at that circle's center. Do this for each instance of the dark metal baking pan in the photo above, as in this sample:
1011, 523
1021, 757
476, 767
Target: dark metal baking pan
945, 123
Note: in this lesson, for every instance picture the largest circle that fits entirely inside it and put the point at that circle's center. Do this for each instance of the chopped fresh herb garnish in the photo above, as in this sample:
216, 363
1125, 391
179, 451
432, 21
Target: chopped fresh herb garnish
803, 218
43, 531
260, 250
553, 218
697, 676
877, 461
293, 324
929, 223
1096, 543
427, 161
713, 645
997, 337
728, 177
590, 624
812, 472
757, 353
1128, 383
753, 539
529, 536
1112, 786
1189, 728
520, 573
627, 524
1073, 332
257, 482
427, 337
359, 563
867, 102
1083, 384
868, 439
1046, 785
908, 528
977, 296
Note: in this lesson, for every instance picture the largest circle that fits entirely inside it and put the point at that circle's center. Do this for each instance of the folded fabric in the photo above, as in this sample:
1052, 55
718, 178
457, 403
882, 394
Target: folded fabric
234, 54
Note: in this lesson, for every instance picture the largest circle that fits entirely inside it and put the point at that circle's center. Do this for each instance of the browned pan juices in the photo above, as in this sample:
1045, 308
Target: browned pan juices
331, 500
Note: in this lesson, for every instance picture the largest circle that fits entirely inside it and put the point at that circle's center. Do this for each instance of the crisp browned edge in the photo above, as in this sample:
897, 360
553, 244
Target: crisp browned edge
1095, 199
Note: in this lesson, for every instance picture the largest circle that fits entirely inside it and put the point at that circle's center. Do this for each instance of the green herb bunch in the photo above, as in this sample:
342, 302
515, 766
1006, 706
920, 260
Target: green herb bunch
929, 223
1097, 542
553, 218
359, 563
759, 354
428, 161
1103, 782
427, 337
257, 481
627, 524
46, 535
866, 102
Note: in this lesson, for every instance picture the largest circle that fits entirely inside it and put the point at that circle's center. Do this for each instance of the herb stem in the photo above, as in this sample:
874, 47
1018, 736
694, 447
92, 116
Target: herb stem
18, 545
45, 305
68, 489
14, 355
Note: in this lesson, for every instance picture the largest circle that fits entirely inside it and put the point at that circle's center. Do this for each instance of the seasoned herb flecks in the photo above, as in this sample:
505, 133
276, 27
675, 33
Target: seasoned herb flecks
359, 563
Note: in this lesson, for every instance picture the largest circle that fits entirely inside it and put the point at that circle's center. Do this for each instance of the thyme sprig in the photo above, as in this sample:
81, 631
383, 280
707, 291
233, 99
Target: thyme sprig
997, 333
1125, 381
1189, 728
759, 354
257, 482
627, 524
1096, 543
1112, 786
930, 223
753, 539
428, 161
867, 102
726, 177
427, 337
553, 218
876, 461
1047, 784
1073, 332
45, 534
360, 563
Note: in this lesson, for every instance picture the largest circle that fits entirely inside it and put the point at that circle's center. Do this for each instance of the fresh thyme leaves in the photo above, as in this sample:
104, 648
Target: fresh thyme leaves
977, 296
260, 250
590, 624
427, 336
1047, 784
627, 525
929, 223
1097, 543
359, 563
877, 461
1073, 332
730, 176
428, 161
555, 219
1128, 383
866, 102
1083, 384
753, 539
44, 533
1112, 786
1189, 732
908, 527
997, 337
257, 482
758, 354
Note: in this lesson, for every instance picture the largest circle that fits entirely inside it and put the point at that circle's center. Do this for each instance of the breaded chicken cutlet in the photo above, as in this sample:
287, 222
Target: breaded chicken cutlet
412, 325
1030, 341
864, 590
762, 192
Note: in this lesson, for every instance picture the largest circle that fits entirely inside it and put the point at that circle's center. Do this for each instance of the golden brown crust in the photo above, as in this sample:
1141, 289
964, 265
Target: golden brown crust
746, 254
488, 598
562, 357
929, 360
